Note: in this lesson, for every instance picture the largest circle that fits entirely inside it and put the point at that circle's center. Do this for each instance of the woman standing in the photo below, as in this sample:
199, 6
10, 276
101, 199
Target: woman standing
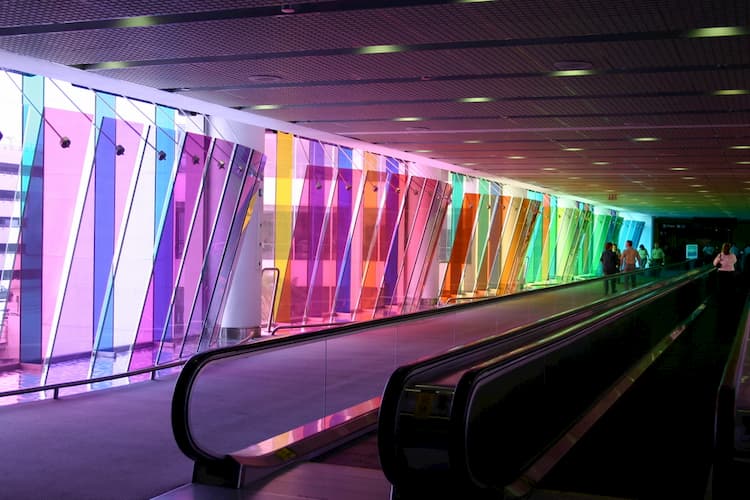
724, 264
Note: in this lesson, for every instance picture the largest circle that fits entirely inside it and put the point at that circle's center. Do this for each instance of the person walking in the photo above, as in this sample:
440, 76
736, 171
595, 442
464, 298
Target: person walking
609, 266
724, 263
657, 259
628, 260
644, 255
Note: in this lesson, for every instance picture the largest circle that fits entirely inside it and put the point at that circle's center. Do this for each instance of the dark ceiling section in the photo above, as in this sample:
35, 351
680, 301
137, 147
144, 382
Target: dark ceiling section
470, 83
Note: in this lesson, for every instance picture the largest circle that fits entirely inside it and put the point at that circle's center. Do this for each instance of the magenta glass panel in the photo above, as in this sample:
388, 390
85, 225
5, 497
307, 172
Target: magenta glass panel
189, 273
199, 333
439, 209
76, 327
419, 195
305, 238
62, 177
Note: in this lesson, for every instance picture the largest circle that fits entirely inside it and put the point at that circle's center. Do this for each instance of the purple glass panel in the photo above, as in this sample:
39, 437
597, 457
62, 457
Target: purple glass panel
417, 217
196, 335
341, 219
230, 244
321, 265
400, 185
190, 271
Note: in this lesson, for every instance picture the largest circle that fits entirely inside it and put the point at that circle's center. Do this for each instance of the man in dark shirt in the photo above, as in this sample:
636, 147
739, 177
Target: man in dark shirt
609, 266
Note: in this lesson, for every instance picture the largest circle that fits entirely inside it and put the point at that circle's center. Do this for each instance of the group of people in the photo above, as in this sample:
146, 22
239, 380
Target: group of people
613, 261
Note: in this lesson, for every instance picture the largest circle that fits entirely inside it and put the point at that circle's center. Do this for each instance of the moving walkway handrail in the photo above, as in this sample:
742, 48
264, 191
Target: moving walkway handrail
191, 369
517, 338
727, 394
466, 392
390, 461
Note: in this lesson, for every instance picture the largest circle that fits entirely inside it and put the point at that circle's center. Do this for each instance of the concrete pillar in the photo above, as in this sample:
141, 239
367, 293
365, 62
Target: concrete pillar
241, 318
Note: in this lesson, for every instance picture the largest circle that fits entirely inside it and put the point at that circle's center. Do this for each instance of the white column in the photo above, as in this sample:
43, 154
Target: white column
241, 316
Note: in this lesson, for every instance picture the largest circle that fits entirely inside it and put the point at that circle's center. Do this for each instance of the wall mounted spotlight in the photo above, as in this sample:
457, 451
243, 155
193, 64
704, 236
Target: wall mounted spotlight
161, 155
65, 142
119, 150
318, 185
221, 164
196, 159
374, 188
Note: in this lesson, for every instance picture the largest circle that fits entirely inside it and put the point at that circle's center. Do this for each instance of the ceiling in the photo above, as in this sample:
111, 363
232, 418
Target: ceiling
472, 83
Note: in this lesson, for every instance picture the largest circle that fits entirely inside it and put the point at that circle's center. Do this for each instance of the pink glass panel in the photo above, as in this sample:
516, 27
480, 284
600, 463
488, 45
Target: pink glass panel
62, 177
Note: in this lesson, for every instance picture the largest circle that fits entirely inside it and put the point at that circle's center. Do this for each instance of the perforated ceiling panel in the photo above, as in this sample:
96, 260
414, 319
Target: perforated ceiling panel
478, 80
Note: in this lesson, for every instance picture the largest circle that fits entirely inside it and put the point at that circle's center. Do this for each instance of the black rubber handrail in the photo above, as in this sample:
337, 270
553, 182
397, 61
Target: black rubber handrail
473, 378
387, 447
394, 389
726, 397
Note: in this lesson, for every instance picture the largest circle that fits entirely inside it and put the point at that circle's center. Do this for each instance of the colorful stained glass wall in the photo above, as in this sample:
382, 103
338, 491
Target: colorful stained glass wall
353, 232
124, 220
127, 219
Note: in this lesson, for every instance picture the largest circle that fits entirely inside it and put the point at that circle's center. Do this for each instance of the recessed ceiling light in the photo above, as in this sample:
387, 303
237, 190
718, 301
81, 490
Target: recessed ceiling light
739, 146
717, 31
380, 49
703, 191
423, 151
549, 169
264, 78
637, 182
688, 178
678, 168
601, 163
261, 107
469, 164
732, 92
645, 139
696, 185
472, 142
573, 149
573, 72
476, 99
575, 177
743, 163
408, 119
516, 157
